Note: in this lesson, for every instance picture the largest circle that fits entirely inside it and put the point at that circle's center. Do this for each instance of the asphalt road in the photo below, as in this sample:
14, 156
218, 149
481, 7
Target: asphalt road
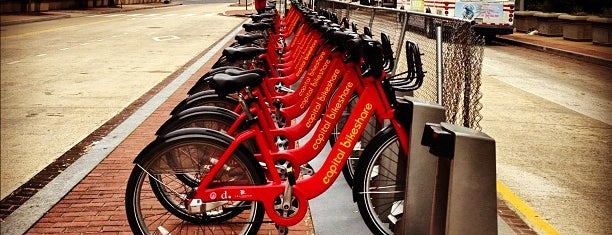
62, 79
550, 118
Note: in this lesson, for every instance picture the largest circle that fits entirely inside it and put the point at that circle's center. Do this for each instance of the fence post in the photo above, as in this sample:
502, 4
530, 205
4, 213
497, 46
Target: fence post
439, 63
372, 18
401, 42
348, 12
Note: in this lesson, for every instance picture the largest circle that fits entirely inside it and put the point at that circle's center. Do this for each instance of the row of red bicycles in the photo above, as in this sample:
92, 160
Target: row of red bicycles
226, 161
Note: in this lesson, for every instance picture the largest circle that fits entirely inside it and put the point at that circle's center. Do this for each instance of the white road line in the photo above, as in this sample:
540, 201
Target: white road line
14, 62
65, 48
114, 15
85, 43
132, 15
41, 55
166, 38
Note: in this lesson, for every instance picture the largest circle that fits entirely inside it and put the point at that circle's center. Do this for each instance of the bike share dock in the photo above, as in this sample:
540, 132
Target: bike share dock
92, 201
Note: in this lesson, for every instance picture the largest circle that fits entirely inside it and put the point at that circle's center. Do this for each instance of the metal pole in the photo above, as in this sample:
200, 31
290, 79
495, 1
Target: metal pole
348, 12
401, 43
439, 68
372, 18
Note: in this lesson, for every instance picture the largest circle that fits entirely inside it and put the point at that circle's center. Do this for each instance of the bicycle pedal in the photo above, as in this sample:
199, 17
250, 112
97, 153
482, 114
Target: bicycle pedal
306, 169
282, 230
163, 230
196, 206
263, 165
397, 210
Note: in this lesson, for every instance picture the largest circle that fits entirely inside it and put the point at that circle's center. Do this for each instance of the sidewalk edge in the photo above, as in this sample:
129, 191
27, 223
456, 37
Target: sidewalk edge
556, 51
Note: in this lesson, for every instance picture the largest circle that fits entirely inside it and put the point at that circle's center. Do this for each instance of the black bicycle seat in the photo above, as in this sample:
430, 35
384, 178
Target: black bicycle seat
256, 26
247, 38
235, 72
262, 16
225, 84
242, 53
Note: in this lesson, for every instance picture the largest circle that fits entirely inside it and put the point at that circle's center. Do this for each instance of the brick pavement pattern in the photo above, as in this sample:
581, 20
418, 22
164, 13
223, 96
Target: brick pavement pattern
96, 204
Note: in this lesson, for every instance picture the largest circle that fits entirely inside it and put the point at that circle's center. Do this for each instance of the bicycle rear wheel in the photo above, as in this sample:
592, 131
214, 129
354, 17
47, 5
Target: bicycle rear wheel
156, 199
380, 182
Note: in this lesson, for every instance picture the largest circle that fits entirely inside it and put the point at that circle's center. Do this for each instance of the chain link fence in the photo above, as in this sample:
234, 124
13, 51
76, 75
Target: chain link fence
461, 48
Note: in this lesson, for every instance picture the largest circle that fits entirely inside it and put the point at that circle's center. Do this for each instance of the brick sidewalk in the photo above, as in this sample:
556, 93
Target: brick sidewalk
96, 204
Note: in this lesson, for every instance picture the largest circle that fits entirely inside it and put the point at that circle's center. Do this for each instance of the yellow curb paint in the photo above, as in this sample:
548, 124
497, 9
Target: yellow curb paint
531, 215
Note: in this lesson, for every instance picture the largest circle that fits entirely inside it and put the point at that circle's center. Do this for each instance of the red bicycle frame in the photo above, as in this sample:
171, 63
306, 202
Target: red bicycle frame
372, 102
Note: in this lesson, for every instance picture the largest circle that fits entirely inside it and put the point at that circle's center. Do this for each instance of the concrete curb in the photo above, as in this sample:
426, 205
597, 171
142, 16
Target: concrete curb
556, 51
15, 22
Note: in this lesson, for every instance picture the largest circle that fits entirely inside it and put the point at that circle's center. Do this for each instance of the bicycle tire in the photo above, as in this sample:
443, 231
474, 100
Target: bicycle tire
150, 208
380, 181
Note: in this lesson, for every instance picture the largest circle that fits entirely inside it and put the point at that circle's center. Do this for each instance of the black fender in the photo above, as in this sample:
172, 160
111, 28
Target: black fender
208, 94
194, 112
186, 133
202, 84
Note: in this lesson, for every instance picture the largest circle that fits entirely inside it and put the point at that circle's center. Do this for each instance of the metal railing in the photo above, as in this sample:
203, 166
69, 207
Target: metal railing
461, 58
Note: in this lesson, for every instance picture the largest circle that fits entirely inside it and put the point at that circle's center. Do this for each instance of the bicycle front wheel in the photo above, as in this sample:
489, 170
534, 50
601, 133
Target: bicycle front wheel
156, 199
380, 182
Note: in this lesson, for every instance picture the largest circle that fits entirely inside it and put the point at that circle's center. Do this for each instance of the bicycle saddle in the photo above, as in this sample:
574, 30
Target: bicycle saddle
247, 38
242, 53
256, 26
262, 16
234, 72
225, 84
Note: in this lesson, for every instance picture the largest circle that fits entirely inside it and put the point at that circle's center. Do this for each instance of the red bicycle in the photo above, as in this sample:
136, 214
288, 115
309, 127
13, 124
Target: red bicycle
231, 189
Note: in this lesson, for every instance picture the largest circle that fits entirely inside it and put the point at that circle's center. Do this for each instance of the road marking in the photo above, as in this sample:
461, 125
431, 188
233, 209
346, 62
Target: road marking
41, 55
166, 38
530, 214
14, 62
114, 15
65, 48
